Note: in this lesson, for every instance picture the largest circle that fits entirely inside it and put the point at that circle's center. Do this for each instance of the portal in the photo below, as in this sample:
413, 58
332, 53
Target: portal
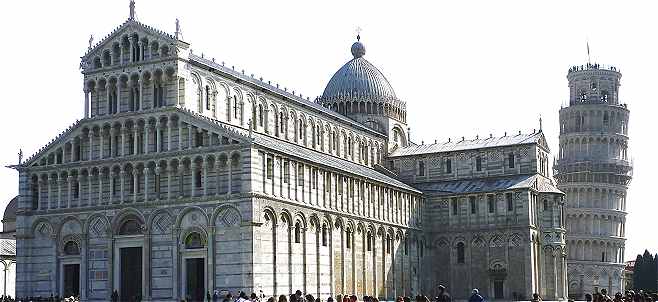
131, 274
71, 280
195, 286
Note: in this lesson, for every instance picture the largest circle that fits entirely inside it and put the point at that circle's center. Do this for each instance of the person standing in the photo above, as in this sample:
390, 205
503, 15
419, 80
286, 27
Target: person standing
475, 296
443, 295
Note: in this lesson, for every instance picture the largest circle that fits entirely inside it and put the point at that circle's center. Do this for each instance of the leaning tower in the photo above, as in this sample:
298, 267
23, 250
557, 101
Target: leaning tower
594, 170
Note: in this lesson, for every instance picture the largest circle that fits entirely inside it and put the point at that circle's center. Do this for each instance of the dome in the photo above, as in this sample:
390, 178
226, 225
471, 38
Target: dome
358, 78
10, 210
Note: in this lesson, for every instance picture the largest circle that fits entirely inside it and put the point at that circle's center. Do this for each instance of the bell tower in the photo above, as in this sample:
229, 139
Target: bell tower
594, 169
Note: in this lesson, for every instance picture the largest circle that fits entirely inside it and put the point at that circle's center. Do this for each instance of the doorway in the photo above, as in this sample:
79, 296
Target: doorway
195, 276
498, 289
130, 274
71, 280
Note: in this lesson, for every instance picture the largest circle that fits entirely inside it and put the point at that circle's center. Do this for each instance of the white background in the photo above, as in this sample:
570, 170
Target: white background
465, 68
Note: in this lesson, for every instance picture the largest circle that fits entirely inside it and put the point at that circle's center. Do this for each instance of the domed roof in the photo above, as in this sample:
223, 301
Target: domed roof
10, 210
359, 78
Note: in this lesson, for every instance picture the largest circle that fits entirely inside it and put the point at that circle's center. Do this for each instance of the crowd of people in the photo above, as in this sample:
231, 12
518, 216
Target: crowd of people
628, 296
443, 296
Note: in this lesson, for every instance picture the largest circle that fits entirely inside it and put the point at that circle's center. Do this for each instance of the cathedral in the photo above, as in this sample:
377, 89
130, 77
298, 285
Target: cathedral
186, 176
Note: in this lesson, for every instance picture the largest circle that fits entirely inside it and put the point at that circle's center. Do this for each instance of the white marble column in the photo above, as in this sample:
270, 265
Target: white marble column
205, 178
100, 186
86, 91
180, 135
140, 87
122, 145
59, 181
90, 139
158, 137
69, 179
147, 171
135, 183
170, 123
122, 177
147, 129
169, 172
89, 188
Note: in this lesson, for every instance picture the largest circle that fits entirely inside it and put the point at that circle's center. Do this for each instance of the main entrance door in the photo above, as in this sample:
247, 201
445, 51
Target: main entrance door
71, 280
131, 273
195, 286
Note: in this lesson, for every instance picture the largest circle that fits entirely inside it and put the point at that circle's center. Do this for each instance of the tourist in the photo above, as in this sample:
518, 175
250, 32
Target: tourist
536, 297
588, 297
270, 299
330, 299
253, 298
443, 295
399, 299
215, 296
283, 298
618, 297
475, 296
604, 295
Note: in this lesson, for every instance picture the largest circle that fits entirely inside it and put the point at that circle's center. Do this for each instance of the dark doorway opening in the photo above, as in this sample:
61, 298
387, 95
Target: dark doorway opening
71, 280
195, 285
498, 289
131, 274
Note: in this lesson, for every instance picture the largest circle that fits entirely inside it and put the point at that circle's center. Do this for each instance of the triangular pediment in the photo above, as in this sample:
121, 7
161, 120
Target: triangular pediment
542, 142
128, 29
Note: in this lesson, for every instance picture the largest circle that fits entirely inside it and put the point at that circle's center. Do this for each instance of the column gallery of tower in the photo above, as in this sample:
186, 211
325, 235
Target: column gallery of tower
594, 170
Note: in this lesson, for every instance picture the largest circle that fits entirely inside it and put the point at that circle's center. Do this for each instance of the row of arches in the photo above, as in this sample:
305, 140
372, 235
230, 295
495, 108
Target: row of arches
136, 91
585, 224
393, 109
293, 124
613, 120
131, 136
593, 148
138, 182
328, 255
130, 48
596, 250
595, 198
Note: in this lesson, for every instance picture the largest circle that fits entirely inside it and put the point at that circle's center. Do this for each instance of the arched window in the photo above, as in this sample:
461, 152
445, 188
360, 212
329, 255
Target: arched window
130, 227
298, 231
260, 115
421, 168
388, 244
207, 97
324, 235
235, 107
71, 248
460, 252
348, 238
194, 241
300, 129
448, 165
369, 242
510, 159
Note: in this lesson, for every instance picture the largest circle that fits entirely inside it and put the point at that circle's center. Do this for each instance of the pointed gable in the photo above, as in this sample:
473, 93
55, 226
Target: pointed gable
109, 49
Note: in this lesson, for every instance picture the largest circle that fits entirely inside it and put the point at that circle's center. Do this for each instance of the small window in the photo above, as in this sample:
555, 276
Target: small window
510, 202
369, 242
460, 252
198, 137
286, 171
324, 235
471, 201
406, 247
491, 203
194, 241
270, 168
546, 205
455, 207
421, 168
207, 97
298, 231
388, 244
448, 165
510, 159
260, 115
478, 163
348, 239
197, 179
71, 248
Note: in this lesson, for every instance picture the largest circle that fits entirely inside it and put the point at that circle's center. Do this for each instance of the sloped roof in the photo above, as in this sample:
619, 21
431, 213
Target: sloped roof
491, 142
149, 29
289, 96
492, 184
10, 210
294, 150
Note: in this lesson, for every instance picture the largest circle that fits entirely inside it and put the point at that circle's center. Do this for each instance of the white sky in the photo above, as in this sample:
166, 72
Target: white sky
463, 67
